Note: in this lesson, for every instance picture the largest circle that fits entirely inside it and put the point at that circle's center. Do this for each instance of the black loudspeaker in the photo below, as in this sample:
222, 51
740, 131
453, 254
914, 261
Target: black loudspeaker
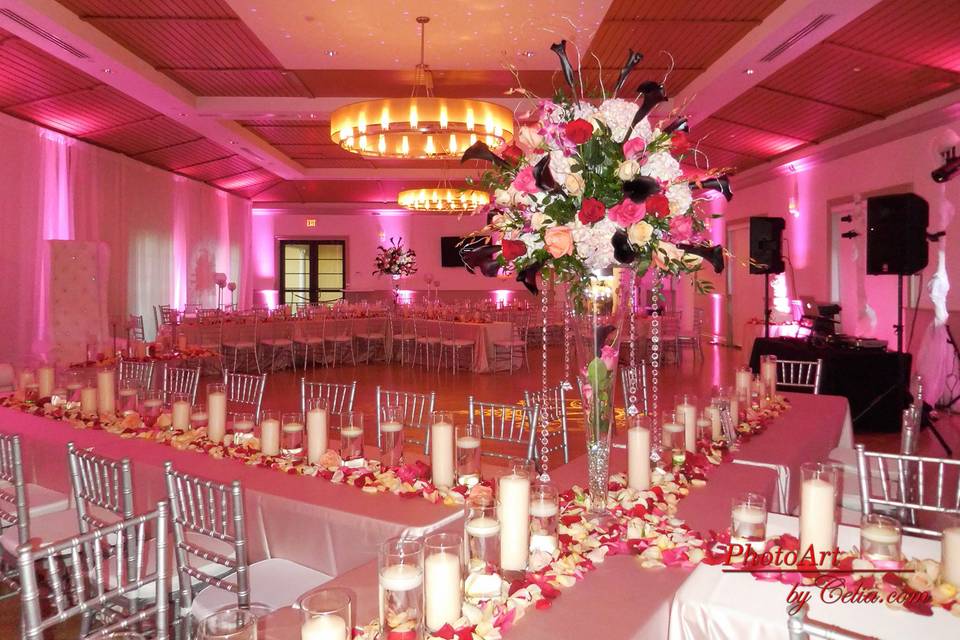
897, 234
766, 245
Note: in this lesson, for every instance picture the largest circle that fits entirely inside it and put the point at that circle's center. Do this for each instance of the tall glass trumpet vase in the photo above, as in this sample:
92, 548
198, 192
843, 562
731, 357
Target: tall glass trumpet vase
598, 321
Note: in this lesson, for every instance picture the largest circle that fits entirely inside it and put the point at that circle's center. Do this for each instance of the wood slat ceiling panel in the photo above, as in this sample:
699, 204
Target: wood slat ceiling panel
254, 189
296, 134
146, 135
150, 8
285, 191
691, 9
346, 191
312, 150
245, 180
221, 168
692, 46
84, 112
714, 158
674, 81
259, 82
189, 43
861, 81
790, 116
185, 155
744, 140
921, 31
29, 74
327, 163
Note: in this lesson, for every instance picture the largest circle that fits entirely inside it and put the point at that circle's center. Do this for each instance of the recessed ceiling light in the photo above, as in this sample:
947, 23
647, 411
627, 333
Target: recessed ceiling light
182, 114
856, 69
234, 142
749, 72
330, 53
107, 70
526, 54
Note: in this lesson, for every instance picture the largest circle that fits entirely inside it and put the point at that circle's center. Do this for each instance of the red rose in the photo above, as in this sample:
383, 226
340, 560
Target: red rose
513, 249
679, 143
591, 210
578, 131
658, 205
512, 154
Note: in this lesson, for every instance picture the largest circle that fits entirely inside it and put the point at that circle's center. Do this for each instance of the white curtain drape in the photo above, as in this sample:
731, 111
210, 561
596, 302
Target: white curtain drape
165, 235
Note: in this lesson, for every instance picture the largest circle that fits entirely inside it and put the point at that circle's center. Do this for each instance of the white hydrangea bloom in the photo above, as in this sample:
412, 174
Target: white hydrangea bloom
560, 166
680, 198
532, 240
661, 166
618, 114
593, 243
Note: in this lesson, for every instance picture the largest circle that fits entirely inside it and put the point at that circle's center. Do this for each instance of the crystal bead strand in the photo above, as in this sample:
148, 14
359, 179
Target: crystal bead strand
655, 436
631, 403
544, 412
566, 342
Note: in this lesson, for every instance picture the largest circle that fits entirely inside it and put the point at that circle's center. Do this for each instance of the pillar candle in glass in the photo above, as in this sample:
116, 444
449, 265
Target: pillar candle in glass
704, 428
757, 398
442, 448
391, 436
270, 433
291, 435
45, 378
768, 374
514, 516
327, 614
88, 401
674, 442
400, 567
216, 412
151, 407
879, 537
638, 452
748, 517
712, 413
106, 391
234, 623
482, 532
25, 378
351, 438
442, 579
318, 417
180, 411
735, 403
241, 427
950, 552
128, 400
74, 381
544, 515
686, 415
818, 510
744, 379
468, 454
198, 416
182, 342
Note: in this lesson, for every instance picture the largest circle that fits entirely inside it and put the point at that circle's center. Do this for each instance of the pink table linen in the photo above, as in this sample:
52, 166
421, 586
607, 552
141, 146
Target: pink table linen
331, 528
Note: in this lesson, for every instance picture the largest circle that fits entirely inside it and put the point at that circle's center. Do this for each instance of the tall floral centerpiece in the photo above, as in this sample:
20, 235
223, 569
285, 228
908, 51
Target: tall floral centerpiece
396, 262
588, 190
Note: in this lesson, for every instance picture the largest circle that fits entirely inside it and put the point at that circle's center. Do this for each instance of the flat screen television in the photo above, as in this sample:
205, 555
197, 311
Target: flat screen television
450, 249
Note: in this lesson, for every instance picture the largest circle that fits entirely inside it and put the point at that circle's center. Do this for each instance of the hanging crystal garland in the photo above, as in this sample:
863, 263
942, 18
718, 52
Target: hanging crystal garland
655, 435
631, 402
545, 415
566, 342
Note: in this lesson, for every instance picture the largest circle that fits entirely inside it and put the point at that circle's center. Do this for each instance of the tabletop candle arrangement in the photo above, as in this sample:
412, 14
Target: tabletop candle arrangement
748, 517
106, 391
400, 567
468, 454
482, 547
242, 426
128, 392
712, 413
768, 375
442, 574
151, 407
291, 435
318, 417
180, 411
327, 614
950, 553
26, 385
442, 448
45, 379
638, 453
879, 538
544, 516
686, 415
818, 506
216, 412
674, 442
270, 433
351, 439
514, 516
743, 382
391, 436
198, 416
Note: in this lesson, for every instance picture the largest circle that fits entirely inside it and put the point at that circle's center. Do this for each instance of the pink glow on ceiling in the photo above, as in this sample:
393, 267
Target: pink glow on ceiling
383, 34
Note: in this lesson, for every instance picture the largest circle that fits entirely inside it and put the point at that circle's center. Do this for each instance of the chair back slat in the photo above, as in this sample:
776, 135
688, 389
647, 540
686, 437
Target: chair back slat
552, 409
141, 372
246, 390
14, 508
506, 423
181, 380
800, 374
99, 482
417, 408
339, 396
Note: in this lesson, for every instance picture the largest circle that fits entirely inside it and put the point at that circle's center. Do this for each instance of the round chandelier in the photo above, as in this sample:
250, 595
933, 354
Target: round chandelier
420, 126
442, 199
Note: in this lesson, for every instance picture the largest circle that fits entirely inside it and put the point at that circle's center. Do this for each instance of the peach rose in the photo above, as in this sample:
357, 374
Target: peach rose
558, 241
574, 184
640, 233
529, 139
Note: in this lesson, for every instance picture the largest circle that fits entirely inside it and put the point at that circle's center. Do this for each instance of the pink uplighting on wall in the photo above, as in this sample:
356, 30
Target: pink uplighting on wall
269, 298
404, 296
799, 229
502, 297
716, 312
262, 241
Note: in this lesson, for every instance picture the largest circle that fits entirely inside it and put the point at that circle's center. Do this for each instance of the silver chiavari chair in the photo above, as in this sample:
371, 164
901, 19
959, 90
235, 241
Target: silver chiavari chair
800, 374
897, 483
338, 336
87, 576
142, 372
308, 340
552, 409
404, 339
802, 628
339, 396
427, 341
510, 424
135, 328
635, 378
373, 338
246, 390
181, 380
102, 488
276, 342
460, 350
513, 349
241, 343
209, 531
417, 408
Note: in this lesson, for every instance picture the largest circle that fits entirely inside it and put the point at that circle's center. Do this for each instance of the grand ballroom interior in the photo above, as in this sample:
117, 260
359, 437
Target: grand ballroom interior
479, 319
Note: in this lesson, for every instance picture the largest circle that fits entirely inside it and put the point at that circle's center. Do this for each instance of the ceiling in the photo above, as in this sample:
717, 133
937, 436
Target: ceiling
237, 93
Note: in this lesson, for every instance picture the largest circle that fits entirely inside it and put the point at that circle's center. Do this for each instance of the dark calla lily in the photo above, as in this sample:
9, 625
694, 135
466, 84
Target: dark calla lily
712, 254
528, 276
720, 183
543, 177
622, 250
680, 124
480, 151
483, 257
640, 188
633, 59
560, 48
653, 94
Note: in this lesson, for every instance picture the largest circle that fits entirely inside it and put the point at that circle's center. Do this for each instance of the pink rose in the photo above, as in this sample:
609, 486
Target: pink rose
558, 241
634, 147
626, 213
609, 355
525, 182
681, 229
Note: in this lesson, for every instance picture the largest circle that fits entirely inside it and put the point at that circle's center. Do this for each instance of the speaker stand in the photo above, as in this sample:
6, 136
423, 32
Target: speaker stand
766, 305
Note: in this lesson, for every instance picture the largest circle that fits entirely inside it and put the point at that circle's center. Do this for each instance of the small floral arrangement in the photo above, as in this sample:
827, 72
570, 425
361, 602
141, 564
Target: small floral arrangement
395, 260
590, 185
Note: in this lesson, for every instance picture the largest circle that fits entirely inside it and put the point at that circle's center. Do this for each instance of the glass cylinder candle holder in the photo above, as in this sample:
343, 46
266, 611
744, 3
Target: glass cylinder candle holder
879, 537
151, 407
198, 416
704, 427
270, 433
768, 375
327, 614
291, 435
442, 454
391, 436
74, 382
468, 454
241, 428
27, 384
442, 579
748, 526
318, 417
128, 400
743, 379
229, 624
216, 412
180, 411
950, 552
482, 542
351, 438
756, 393
686, 416
674, 443
400, 565
818, 510
513, 493
544, 517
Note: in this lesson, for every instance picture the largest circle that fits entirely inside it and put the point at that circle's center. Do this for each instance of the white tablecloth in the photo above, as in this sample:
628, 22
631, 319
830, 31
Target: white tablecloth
713, 604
